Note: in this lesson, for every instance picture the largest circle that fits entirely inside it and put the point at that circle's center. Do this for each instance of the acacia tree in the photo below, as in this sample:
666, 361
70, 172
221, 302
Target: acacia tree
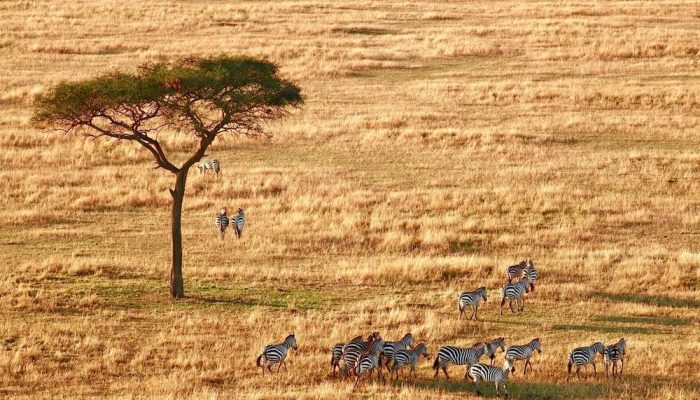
200, 97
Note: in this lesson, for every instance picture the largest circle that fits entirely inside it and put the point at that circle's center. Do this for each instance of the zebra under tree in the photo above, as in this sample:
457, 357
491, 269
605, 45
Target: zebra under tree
201, 97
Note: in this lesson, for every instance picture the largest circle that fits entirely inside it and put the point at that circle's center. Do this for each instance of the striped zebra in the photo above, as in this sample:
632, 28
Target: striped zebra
515, 291
471, 299
354, 349
614, 353
222, 222
489, 373
457, 356
582, 356
237, 223
531, 274
209, 165
409, 357
523, 352
336, 355
516, 271
276, 354
386, 356
492, 346
370, 362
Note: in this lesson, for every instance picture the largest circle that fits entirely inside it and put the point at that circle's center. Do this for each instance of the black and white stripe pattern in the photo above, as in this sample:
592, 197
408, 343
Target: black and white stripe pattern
582, 356
222, 222
386, 356
209, 165
523, 352
336, 354
614, 353
516, 271
276, 354
492, 346
354, 349
488, 373
531, 274
408, 357
370, 362
237, 223
457, 356
471, 299
515, 291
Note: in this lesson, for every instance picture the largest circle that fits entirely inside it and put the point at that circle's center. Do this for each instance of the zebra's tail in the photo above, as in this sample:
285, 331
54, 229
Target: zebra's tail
568, 368
260, 360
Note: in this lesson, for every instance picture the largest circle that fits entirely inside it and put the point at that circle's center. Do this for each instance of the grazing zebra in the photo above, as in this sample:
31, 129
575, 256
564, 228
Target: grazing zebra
488, 373
457, 356
515, 291
531, 274
471, 299
584, 356
222, 222
237, 223
370, 361
409, 357
386, 356
209, 165
492, 346
523, 352
336, 355
276, 353
614, 353
516, 271
354, 349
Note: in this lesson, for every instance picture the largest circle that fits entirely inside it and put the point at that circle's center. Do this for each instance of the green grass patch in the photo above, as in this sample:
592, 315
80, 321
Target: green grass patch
293, 298
606, 329
660, 301
646, 320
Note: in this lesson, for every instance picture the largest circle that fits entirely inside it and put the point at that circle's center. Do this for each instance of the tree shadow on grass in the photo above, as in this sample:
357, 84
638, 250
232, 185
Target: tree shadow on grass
606, 329
660, 301
667, 321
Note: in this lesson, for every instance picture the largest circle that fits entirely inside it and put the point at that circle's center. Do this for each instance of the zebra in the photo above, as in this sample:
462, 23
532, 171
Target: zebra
491, 347
531, 274
516, 271
457, 356
489, 373
336, 355
222, 222
614, 353
471, 299
276, 353
354, 349
409, 357
584, 356
209, 165
370, 361
237, 223
524, 352
515, 291
386, 355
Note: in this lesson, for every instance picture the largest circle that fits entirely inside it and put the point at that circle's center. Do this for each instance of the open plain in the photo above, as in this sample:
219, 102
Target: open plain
440, 142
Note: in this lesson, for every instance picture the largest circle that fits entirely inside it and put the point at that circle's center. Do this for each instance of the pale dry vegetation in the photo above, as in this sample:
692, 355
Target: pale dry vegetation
439, 143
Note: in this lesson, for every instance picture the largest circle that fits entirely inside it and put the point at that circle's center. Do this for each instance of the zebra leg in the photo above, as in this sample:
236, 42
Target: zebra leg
578, 370
466, 373
622, 361
461, 312
522, 307
503, 301
586, 370
527, 360
473, 312
269, 368
510, 303
279, 366
444, 370
497, 384
594, 370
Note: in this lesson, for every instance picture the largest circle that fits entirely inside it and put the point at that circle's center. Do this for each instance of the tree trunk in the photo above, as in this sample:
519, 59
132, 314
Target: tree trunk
177, 285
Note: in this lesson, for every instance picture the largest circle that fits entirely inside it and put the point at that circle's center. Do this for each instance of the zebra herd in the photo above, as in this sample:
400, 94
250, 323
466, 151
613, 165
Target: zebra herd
361, 356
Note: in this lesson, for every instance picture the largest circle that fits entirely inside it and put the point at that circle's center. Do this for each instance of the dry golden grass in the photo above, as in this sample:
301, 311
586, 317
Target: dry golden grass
440, 142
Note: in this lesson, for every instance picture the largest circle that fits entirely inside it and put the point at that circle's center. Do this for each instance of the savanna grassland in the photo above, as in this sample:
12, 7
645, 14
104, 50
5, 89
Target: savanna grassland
440, 142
